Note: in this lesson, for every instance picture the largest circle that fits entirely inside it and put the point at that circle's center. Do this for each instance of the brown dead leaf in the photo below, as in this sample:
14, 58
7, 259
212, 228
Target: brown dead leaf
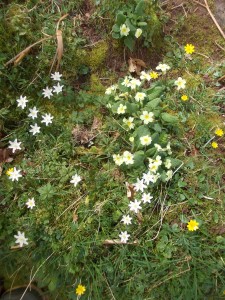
97, 123
75, 217
139, 217
81, 135
130, 191
219, 230
118, 242
6, 155
135, 65
59, 47
222, 79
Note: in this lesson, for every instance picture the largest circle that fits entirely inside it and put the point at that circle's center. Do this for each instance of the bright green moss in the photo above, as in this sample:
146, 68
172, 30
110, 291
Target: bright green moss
97, 56
96, 85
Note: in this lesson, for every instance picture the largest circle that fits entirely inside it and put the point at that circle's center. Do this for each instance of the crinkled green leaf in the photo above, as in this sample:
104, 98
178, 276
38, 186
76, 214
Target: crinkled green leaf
169, 118
120, 18
153, 103
140, 8
129, 42
116, 28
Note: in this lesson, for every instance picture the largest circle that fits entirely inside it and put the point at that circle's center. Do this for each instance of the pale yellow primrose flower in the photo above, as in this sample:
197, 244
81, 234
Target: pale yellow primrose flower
168, 163
145, 76
128, 158
124, 30
134, 83
126, 81
118, 159
145, 140
121, 109
163, 67
147, 117
180, 83
169, 175
138, 33
140, 96
129, 122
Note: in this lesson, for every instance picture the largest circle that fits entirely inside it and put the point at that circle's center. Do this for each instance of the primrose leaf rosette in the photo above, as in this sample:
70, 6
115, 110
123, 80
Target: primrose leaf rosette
137, 105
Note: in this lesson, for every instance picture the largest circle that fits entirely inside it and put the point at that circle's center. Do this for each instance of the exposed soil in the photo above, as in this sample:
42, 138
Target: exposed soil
189, 22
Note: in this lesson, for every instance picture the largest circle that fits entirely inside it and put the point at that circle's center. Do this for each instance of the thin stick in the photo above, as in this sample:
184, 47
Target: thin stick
71, 205
199, 3
109, 287
170, 277
35, 274
208, 142
214, 19
220, 46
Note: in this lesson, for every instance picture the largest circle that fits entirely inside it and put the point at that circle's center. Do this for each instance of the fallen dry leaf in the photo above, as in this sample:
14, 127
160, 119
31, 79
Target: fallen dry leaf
81, 135
59, 50
97, 123
130, 190
115, 242
135, 65
6, 155
75, 217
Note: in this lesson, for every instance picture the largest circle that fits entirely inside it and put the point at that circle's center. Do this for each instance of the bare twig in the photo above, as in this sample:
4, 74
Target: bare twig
214, 19
71, 205
109, 288
35, 274
219, 46
199, 3
206, 6
172, 276
208, 142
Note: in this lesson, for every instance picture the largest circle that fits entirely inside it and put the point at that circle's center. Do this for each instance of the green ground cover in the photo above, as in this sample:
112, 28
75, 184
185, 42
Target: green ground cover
114, 120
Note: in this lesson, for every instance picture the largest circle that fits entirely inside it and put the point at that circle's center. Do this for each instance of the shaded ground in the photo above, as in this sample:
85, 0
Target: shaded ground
189, 22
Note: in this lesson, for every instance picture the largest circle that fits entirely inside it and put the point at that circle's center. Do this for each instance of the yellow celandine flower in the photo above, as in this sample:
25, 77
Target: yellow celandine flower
184, 97
214, 145
9, 171
192, 225
219, 132
80, 290
189, 48
154, 75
